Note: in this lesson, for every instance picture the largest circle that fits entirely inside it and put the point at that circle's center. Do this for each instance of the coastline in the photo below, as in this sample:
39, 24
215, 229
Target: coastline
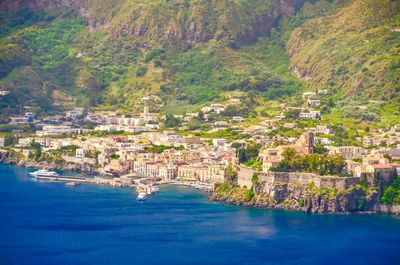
261, 203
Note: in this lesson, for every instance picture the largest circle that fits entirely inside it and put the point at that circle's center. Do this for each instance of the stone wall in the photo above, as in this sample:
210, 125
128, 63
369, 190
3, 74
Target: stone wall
281, 178
244, 176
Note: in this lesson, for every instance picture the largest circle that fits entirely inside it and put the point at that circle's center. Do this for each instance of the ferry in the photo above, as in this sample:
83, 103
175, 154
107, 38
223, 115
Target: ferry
43, 173
142, 196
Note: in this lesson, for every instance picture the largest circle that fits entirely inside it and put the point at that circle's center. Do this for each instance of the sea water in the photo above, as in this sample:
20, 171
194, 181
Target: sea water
50, 223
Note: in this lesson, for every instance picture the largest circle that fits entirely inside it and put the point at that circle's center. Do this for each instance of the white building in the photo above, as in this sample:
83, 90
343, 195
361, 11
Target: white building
57, 130
1, 142
312, 115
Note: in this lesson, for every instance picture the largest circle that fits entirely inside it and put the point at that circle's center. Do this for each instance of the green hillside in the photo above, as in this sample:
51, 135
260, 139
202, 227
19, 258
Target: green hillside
356, 50
109, 53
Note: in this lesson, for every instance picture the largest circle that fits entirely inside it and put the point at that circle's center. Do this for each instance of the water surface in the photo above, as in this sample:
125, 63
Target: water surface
49, 223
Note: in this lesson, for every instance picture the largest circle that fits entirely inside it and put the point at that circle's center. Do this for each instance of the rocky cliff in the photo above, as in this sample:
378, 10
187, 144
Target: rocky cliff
306, 198
195, 21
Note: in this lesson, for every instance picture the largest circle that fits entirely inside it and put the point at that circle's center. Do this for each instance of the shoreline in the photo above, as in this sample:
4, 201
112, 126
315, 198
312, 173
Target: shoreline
211, 196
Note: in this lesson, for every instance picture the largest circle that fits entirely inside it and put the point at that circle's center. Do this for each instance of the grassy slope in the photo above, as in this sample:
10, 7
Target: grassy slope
58, 51
353, 50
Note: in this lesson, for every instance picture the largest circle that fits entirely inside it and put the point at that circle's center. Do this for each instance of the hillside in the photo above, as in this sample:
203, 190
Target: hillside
355, 50
108, 53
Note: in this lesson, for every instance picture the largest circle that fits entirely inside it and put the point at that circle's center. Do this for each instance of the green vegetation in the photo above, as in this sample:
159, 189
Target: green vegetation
68, 149
191, 53
226, 190
114, 156
314, 163
158, 149
391, 195
226, 133
364, 61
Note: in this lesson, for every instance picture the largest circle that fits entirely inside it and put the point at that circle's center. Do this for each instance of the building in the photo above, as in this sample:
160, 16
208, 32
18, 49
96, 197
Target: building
4, 92
75, 113
311, 115
168, 172
309, 95
80, 153
304, 146
2, 143
323, 129
238, 119
268, 164
57, 130
147, 116
221, 124
314, 102
217, 108
348, 152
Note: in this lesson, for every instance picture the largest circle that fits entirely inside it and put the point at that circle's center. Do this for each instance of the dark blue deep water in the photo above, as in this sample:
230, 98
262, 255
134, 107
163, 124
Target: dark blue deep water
49, 223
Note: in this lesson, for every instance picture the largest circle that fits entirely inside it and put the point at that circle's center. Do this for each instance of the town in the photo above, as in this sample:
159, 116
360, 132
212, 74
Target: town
175, 149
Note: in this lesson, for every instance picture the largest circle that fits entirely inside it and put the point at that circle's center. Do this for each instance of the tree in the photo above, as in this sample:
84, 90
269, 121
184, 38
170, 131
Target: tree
171, 121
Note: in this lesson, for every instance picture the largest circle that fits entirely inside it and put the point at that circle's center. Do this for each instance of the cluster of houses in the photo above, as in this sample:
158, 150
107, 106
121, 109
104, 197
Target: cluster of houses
359, 160
186, 159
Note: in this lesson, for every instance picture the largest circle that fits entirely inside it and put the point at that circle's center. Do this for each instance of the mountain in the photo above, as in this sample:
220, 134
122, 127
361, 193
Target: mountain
355, 50
108, 53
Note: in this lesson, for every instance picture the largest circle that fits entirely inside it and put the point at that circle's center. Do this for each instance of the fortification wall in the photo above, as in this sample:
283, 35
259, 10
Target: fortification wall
244, 176
279, 178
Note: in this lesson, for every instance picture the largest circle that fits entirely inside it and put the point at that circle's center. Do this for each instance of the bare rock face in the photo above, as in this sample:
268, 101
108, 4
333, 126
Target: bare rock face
179, 20
301, 197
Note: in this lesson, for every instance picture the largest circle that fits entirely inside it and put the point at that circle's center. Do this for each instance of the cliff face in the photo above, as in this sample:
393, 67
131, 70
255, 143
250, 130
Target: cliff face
301, 197
194, 21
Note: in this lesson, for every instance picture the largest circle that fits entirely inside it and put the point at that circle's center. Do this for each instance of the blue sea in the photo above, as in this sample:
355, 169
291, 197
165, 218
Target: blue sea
50, 223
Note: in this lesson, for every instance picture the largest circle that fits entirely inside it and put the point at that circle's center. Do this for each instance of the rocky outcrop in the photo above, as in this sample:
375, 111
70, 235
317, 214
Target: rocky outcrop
306, 198
194, 21
12, 157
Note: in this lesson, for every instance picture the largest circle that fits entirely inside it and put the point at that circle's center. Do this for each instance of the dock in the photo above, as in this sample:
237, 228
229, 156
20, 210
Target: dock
63, 178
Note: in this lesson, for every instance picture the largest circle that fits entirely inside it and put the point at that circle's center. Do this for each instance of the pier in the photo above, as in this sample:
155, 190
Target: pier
61, 178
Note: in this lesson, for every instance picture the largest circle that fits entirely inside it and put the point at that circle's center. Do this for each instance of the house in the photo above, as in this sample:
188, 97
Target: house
238, 119
322, 91
57, 130
4, 92
217, 108
348, 152
221, 124
268, 164
309, 95
323, 129
290, 125
234, 101
75, 113
394, 154
385, 171
80, 153
314, 102
168, 172
312, 115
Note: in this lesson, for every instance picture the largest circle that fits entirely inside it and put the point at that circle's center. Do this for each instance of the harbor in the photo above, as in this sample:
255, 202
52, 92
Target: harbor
144, 186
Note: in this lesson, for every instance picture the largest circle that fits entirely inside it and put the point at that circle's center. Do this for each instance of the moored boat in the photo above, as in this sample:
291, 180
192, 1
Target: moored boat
142, 196
43, 173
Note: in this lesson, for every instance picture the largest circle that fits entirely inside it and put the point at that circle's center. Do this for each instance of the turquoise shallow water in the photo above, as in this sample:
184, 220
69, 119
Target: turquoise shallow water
49, 223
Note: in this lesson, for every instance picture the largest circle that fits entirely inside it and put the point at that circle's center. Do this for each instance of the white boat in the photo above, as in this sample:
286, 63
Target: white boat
43, 173
155, 188
142, 196
71, 184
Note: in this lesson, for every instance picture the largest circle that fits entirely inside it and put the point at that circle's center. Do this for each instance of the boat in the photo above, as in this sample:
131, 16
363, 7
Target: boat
71, 184
43, 173
142, 196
